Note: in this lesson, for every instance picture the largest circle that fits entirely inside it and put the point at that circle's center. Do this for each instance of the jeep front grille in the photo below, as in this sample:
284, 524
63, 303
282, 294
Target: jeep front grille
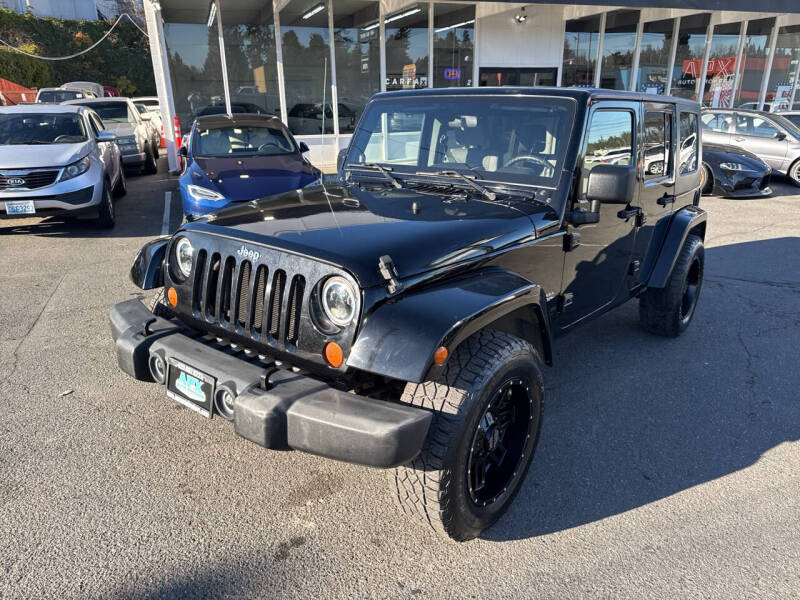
237, 296
31, 180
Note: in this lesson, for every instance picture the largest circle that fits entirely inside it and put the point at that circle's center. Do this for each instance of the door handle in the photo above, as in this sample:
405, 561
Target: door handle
627, 213
740, 139
666, 199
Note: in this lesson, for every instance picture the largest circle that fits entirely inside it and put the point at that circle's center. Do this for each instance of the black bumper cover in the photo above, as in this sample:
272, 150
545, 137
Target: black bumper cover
291, 411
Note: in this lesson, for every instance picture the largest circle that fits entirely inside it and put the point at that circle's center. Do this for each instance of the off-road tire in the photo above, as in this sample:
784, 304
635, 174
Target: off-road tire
150, 165
121, 187
434, 487
105, 213
665, 311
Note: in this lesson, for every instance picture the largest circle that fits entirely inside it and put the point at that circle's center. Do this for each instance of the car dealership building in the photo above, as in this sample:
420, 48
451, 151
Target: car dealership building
315, 63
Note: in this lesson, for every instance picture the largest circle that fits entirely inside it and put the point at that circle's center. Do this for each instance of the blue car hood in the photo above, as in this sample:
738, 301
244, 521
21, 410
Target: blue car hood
250, 177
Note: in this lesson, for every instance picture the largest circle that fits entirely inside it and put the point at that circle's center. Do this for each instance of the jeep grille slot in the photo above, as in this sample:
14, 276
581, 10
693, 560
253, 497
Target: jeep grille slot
295, 306
211, 282
199, 274
275, 302
224, 292
243, 287
257, 317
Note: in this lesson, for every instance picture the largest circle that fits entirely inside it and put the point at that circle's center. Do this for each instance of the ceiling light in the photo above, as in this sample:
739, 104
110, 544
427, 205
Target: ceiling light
441, 29
521, 17
318, 8
211, 14
407, 13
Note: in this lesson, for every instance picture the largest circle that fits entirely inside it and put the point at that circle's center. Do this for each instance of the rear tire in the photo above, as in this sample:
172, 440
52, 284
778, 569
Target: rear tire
106, 217
668, 311
487, 415
150, 164
706, 181
121, 187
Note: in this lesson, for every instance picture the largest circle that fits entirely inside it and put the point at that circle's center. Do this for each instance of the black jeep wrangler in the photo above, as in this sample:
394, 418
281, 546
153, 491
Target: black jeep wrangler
400, 317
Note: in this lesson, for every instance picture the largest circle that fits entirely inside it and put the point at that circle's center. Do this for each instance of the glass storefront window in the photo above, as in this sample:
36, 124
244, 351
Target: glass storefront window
251, 59
407, 48
305, 43
784, 68
721, 69
619, 43
580, 51
356, 42
195, 69
654, 58
754, 59
453, 45
689, 55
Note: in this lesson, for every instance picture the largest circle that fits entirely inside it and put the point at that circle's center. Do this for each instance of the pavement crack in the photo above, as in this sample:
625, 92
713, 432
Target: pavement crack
791, 285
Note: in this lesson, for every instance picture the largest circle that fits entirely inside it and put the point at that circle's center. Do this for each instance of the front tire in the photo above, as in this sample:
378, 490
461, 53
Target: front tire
150, 164
121, 187
487, 415
706, 181
106, 217
668, 311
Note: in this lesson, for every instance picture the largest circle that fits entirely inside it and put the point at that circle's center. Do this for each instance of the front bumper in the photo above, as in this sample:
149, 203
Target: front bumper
75, 196
276, 408
746, 184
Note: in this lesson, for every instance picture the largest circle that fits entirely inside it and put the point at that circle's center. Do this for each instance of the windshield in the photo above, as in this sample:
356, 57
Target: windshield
252, 140
115, 112
787, 125
41, 128
502, 139
55, 96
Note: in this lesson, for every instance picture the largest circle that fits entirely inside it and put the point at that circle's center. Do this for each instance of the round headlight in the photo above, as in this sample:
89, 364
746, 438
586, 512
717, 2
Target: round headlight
339, 301
184, 255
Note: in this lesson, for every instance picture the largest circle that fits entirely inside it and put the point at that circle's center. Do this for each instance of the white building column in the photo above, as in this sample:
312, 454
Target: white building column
773, 39
334, 91
430, 44
382, 42
598, 67
676, 28
158, 52
223, 63
636, 51
700, 84
738, 68
276, 16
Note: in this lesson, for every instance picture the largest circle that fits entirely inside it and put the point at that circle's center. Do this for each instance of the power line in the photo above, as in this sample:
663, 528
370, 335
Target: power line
84, 51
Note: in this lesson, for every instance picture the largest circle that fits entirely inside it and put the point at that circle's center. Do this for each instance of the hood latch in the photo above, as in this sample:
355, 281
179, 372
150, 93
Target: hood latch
389, 273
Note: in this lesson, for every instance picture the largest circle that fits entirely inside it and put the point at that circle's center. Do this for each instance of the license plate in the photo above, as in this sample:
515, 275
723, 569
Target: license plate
20, 207
190, 387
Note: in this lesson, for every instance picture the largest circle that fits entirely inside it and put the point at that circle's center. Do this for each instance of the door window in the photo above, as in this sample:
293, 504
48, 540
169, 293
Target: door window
687, 158
719, 122
93, 127
657, 144
755, 126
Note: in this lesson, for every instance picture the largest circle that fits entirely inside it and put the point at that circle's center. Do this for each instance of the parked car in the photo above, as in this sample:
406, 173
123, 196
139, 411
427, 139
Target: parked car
148, 118
307, 119
734, 172
134, 136
239, 158
793, 116
153, 108
401, 317
97, 90
111, 92
59, 95
771, 137
58, 160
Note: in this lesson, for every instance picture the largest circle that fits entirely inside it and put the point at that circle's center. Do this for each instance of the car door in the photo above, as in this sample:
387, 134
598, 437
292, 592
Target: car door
102, 147
716, 127
656, 171
111, 152
595, 270
758, 134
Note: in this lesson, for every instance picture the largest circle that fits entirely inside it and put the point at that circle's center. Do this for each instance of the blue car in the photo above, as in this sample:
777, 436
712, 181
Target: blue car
238, 158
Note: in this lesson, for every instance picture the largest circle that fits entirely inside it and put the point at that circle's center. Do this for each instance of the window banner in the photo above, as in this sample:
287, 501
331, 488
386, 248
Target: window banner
783, 96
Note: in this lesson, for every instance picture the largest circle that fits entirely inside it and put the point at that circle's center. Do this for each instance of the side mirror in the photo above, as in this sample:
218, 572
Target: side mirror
183, 151
304, 148
145, 116
340, 158
779, 135
611, 184
106, 136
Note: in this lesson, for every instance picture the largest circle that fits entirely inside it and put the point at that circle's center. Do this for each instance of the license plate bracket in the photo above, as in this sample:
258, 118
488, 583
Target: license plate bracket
20, 207
190, 387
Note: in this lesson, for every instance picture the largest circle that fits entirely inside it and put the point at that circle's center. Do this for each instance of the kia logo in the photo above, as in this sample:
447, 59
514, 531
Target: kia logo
16, 181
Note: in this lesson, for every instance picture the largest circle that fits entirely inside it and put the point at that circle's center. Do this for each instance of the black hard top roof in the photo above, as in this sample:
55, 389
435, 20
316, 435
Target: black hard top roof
223, 120
579, 94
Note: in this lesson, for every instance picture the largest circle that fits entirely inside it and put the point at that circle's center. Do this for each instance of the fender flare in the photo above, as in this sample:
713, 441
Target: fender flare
669, 235
146, 272
398, 338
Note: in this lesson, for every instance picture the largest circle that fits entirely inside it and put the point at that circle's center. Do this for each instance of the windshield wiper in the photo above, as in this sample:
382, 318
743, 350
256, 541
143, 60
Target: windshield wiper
381, 169
486, 192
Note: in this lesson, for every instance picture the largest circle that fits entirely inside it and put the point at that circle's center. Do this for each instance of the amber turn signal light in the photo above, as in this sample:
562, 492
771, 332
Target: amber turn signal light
334, 354
440, 356
172, 296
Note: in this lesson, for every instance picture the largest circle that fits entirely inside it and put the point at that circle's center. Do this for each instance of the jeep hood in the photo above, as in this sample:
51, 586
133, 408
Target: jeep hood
352, 227
41, 155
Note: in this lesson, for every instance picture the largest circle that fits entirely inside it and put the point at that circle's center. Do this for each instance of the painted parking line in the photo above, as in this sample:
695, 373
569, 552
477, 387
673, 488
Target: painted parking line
165, 220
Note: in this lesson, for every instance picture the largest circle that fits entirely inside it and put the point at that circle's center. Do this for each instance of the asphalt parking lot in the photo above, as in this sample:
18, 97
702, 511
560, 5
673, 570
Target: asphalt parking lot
666, 468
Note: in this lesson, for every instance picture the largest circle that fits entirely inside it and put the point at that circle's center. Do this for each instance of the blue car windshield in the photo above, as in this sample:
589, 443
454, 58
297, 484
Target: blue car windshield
41, 128
240, 140
507, 139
